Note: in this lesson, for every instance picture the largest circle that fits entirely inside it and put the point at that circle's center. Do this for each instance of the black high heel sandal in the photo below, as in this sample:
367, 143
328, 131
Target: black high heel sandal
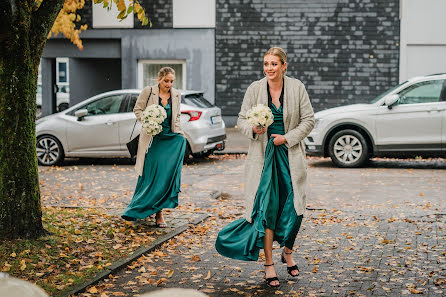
269, 280
290, 269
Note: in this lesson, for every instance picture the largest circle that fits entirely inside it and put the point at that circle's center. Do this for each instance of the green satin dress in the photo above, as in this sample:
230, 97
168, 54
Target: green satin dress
160, 182
273, 206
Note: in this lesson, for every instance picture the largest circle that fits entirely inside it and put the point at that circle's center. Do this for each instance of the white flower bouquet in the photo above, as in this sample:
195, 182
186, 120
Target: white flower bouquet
260, 116
152, 117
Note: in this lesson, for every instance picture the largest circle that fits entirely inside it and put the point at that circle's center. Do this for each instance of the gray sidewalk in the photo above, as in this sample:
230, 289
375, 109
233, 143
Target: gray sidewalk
236, 143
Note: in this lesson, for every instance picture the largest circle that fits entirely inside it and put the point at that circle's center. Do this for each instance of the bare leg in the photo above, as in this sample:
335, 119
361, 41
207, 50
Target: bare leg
268, 249
289, 260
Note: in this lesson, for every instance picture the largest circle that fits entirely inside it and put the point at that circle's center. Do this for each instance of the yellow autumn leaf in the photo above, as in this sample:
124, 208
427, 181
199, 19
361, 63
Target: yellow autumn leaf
195, 258
6, 267
169, 275
415, 291
13, 255
121, 5
93, 290
22, 265
209, 275
160, 281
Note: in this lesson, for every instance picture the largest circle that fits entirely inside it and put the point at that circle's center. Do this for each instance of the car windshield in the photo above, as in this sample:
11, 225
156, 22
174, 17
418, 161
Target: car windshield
376, 99
196, 100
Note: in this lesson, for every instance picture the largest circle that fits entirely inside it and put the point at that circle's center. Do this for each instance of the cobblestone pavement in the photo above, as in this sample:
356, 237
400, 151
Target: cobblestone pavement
376, 231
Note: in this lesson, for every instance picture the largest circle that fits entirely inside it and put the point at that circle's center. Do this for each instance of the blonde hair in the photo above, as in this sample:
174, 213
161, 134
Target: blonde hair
165, 71
279, 53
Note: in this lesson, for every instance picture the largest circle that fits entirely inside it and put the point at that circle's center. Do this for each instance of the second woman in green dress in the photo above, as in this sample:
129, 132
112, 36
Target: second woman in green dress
160, 158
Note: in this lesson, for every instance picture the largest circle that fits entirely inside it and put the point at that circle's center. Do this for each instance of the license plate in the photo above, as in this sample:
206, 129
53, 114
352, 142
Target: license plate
216, 120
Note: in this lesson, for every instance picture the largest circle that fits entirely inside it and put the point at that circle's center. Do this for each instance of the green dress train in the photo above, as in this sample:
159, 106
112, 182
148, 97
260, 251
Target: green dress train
160, 182
273, 205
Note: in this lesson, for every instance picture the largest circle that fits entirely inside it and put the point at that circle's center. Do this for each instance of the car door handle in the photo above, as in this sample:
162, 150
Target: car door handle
109, 123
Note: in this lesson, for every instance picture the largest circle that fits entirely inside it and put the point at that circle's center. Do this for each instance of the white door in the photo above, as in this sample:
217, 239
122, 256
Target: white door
98, 132
415, 122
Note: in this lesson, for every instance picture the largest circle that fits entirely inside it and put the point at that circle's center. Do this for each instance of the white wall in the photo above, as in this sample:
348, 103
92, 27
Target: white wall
423, 38
194, 13
104, 18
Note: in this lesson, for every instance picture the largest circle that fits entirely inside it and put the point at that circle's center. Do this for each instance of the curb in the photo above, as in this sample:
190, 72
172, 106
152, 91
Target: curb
138, 253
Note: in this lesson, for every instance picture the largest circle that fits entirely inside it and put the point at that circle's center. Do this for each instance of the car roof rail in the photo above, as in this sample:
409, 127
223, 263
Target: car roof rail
436, 74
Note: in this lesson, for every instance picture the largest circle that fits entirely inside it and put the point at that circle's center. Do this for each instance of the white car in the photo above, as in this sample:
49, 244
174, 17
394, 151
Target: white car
101, 126
62, 99
407, 120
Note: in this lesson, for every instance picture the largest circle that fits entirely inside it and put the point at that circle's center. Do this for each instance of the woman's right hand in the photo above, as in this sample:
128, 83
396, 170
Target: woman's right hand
256, 130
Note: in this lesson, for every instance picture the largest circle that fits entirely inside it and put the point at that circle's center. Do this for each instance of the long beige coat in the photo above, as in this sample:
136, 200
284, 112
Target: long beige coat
140, 105
298, 120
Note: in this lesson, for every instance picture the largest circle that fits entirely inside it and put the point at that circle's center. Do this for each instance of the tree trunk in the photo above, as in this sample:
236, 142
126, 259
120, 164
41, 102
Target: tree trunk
24, 29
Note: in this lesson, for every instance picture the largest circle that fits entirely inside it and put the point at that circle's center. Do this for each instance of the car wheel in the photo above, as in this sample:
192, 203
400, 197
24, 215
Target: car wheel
49, 150
62, 107
348, 148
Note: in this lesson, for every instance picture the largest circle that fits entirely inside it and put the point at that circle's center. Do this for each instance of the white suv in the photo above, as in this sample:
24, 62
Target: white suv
407, 120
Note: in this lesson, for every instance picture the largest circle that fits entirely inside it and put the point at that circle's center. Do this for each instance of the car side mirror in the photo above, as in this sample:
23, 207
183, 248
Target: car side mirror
391, 100
80, 114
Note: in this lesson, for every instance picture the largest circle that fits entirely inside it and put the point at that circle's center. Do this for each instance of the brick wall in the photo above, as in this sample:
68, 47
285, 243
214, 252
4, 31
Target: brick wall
344, 51
159, 13
86, 14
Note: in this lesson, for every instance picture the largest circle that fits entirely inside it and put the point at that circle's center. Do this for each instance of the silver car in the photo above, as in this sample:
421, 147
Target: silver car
407, 120
101, 126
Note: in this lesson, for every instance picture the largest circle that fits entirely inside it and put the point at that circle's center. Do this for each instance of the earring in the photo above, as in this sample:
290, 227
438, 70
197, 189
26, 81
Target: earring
264, 73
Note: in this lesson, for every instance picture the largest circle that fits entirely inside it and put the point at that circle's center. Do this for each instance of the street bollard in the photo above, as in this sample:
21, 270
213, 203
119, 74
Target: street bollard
14, 287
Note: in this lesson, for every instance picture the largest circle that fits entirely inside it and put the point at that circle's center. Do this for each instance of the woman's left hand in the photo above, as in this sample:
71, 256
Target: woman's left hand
278, 139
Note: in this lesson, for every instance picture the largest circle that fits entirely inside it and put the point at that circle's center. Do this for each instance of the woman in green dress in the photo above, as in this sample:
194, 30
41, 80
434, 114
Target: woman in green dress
160, 158
275, 170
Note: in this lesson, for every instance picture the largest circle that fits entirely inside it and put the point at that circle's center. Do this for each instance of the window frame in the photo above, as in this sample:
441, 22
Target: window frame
67, 75
141, 63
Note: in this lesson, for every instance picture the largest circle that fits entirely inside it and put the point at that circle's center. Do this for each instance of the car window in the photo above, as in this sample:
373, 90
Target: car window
423, 92
132, 102
386, 92
196, 100
106, 105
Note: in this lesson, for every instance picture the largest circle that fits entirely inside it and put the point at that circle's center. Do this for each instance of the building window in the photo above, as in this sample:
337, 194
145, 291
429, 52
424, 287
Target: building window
148, 72
62, 70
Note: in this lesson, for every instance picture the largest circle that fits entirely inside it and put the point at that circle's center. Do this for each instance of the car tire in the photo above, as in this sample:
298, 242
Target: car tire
49, 150
348, 148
